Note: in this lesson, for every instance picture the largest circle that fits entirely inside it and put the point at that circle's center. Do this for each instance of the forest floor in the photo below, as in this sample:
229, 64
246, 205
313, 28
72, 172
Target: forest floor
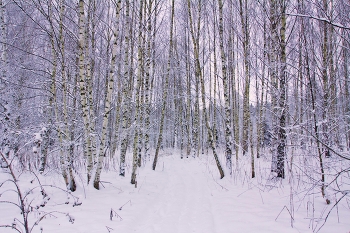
181, 196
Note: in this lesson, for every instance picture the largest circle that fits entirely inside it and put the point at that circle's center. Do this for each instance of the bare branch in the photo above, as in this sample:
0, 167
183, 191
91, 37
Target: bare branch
321, 19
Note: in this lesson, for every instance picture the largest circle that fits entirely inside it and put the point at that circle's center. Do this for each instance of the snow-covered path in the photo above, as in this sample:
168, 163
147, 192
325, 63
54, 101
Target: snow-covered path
185, 196
182, 205
181, 196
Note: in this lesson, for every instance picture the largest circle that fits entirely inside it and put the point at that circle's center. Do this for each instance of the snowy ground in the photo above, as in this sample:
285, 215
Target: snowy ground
181, 196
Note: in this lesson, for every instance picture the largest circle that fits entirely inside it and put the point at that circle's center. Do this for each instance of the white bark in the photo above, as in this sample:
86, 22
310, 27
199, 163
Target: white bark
104, 144
83, 90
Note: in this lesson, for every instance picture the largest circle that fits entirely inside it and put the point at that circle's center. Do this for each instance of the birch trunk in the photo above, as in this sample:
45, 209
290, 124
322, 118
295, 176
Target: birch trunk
195, 38
165, 86
66, 163
52, 105
72, 145
201, 79
246, 95
90, 69
5, 143
147, 80
345, 54
215, 133
326, 107
104, 143
46, 131
137, 134
126, 100
118, 107
260, 124
188, 99
282, 135
228, 133
311, 84
235, 103
83, 90
273, 71
3, 33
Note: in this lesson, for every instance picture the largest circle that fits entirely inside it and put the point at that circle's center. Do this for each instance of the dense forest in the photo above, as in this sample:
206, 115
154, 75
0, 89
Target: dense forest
85, 82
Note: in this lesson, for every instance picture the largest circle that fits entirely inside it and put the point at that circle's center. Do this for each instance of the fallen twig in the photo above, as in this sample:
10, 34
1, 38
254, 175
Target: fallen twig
125, 204
113, 213
219, 184
285, 207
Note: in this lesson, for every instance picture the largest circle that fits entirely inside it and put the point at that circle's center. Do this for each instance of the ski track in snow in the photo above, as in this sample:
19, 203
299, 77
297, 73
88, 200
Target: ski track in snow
181, 196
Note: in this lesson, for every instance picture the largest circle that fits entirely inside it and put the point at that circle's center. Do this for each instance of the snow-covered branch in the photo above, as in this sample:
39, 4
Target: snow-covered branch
321, 19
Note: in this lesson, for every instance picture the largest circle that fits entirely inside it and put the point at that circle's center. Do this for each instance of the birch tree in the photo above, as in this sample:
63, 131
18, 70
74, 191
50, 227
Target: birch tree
278, 72
195, 35
137, 133
83, 90
282, 135
126, 100
147, 77
202, 87
165, 85
228, 133
243, 12
273, 71
104, 143
4, 104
